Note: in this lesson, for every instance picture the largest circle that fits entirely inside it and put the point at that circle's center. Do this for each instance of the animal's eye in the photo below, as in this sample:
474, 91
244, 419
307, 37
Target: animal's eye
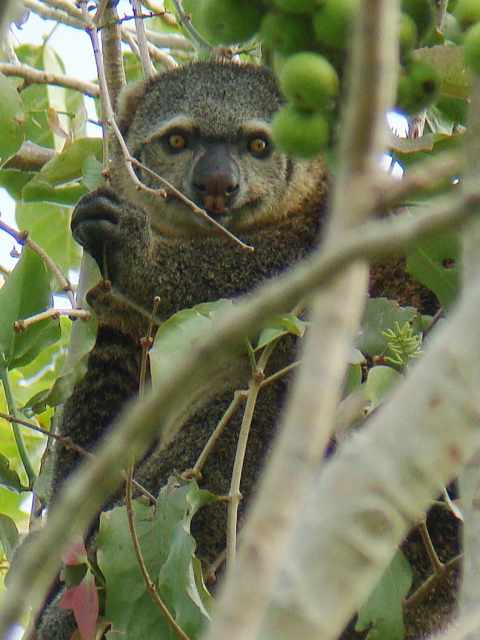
258, 146
176, 141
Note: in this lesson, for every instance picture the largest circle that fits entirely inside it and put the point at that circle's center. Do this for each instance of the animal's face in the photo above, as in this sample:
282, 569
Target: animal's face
206, 129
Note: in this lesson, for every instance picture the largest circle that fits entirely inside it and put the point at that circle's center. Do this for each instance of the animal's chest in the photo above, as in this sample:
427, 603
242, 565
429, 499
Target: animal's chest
189, 273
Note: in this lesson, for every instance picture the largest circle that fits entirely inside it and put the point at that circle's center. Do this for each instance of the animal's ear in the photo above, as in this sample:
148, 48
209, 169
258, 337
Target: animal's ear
128, 102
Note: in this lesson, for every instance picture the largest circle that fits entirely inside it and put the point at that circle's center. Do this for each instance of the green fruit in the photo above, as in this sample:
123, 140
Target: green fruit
309, 81
471, 48
451, 29
229, 21
298, 133
418, 88
296, 6
422, 13
408, 35
467, 12
286, 33
333, 21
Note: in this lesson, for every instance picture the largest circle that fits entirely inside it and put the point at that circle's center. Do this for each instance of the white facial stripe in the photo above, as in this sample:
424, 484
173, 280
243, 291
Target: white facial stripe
181, 122
256, 126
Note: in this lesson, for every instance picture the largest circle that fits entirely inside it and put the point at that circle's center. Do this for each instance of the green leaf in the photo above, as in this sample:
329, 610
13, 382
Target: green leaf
8, 535
92, 173
26, 292
59, 181
12, 119
381, 314
35, 99
380, 382
168, 551
435, 264
14, 181
176, 336
281, 326
353, 378
49, 225
8, 477
382, 614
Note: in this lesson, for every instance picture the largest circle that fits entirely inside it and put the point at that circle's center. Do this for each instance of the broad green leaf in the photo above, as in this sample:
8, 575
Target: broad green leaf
169, 554
57, 96
280, 326
353, 378
382, 614
92, 173
176, 336
35, 99
60, 180
14, 181
381, 314
380, 382
8, 535
435, 264
49, 225
26, 292
12, 119
8, 477
68, 165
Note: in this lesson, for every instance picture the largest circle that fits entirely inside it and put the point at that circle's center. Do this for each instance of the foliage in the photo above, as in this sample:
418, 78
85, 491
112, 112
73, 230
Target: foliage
433, 77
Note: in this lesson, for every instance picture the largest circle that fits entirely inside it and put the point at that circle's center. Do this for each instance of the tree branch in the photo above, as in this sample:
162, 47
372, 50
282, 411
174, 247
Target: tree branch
87, 489
32, 75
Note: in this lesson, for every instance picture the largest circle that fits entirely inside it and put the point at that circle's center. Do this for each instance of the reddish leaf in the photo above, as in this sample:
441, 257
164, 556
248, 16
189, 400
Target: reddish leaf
83, 601
77, 554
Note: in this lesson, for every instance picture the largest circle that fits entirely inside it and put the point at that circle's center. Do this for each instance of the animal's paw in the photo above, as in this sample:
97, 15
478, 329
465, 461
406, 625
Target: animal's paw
95, 222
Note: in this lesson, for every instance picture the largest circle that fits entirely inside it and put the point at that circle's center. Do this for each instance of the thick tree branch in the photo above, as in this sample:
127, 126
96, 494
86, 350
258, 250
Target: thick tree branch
371, 493
310, 416
88, 488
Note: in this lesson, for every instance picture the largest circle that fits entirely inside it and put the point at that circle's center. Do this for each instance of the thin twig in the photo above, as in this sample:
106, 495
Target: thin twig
281, 373
432, 581
68, 443
430, 549
234, 494
196, 470
151, 586
23, 238
185, 21
438, 316
22, 450
53, 314
146, 343
148, 68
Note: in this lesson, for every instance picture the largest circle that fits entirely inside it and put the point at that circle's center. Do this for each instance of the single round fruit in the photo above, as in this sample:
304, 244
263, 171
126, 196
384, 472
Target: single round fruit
229, 21
299, 133
467, 13
418, 88
422, 13
471, 48
286, 33
333, 21
296, 6
309, 81
408, 35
